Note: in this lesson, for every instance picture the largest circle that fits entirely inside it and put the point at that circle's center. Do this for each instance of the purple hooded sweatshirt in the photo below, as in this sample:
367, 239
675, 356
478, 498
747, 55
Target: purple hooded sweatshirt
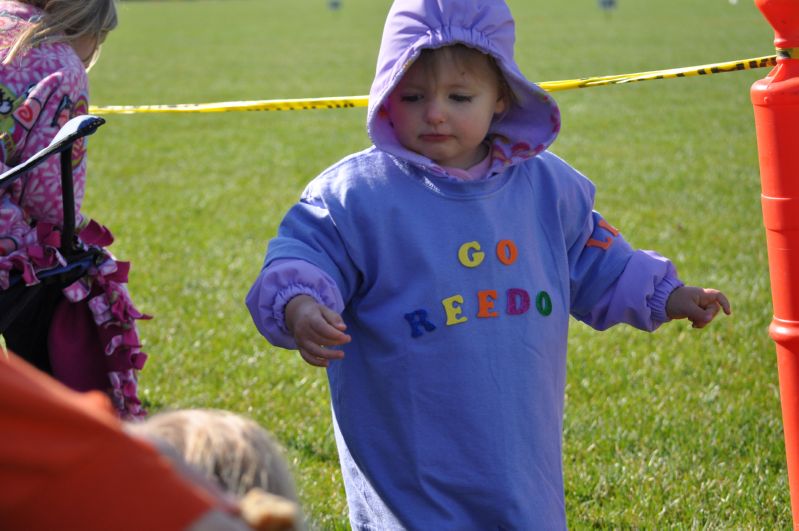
448, 404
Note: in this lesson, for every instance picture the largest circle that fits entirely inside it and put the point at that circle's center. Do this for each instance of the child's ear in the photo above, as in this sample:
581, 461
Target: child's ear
502, 104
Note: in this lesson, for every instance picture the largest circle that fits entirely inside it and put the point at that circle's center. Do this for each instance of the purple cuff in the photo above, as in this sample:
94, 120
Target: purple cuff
657, 302
280, 282
284, 296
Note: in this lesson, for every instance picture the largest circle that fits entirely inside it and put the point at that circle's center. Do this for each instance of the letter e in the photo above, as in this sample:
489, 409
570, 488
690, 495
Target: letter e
486, 298
453, 308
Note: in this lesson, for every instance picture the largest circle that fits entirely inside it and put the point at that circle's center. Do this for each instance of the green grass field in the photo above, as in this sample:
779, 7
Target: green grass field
676, 429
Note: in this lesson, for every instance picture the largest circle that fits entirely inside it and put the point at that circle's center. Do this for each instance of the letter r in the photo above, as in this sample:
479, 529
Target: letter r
418, 320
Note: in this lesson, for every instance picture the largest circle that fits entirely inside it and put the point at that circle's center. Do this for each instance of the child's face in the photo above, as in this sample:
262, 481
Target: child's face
443, 110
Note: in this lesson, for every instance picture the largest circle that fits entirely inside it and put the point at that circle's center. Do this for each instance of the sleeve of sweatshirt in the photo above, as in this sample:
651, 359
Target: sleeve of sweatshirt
278, 283
308, 256
638, 296
610, 282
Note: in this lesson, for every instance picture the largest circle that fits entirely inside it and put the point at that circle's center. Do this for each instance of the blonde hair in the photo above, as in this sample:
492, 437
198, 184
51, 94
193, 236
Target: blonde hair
66, 21
232, 450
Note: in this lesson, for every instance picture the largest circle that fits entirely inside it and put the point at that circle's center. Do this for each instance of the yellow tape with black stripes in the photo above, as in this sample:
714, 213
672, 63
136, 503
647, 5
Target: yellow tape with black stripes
363, 101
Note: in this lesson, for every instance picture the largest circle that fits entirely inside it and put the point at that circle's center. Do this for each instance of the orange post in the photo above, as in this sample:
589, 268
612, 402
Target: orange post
776, 104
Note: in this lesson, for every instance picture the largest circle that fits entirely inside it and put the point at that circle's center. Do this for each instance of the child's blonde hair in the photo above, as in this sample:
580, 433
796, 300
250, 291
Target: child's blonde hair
228, 448
65, 21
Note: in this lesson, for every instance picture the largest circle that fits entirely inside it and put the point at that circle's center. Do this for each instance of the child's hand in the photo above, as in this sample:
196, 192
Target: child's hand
315, 327
698, 305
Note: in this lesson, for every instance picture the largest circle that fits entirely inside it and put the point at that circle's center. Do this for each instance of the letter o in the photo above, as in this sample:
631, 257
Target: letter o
543, 303
507, 252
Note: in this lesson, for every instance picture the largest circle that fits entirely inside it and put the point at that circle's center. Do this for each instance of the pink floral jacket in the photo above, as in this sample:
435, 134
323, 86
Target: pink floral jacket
39, 92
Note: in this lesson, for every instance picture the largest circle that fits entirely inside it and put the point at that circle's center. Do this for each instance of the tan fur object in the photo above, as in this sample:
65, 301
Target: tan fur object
267, 512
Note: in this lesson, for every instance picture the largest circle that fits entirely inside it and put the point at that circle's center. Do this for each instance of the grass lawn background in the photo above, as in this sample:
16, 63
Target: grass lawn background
680, 428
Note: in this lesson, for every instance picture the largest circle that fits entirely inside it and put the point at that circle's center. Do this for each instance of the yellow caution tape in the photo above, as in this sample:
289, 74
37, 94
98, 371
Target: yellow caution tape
689, 71
362, 101
261, 105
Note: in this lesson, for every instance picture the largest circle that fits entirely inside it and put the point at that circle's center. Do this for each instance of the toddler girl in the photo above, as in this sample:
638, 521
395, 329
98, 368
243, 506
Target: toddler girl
447, 259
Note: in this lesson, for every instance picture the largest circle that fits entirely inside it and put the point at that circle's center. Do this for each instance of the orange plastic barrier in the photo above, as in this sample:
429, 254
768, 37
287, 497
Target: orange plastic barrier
776, 104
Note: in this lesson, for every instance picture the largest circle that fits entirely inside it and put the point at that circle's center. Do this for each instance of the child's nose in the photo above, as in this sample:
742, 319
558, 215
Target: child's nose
434, 113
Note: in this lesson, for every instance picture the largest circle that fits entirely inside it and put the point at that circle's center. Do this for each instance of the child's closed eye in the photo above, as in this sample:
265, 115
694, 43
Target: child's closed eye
410, 98
460, 98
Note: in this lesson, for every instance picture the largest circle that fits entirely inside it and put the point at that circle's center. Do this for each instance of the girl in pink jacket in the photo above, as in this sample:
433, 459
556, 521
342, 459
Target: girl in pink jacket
46, 48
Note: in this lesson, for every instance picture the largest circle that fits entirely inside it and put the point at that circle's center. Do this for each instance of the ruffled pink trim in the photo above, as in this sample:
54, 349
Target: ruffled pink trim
32, 257
124, 394
112, 309
115, 315
95, 234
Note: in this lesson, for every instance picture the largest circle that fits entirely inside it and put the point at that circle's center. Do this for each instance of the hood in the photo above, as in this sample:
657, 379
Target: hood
527, 128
